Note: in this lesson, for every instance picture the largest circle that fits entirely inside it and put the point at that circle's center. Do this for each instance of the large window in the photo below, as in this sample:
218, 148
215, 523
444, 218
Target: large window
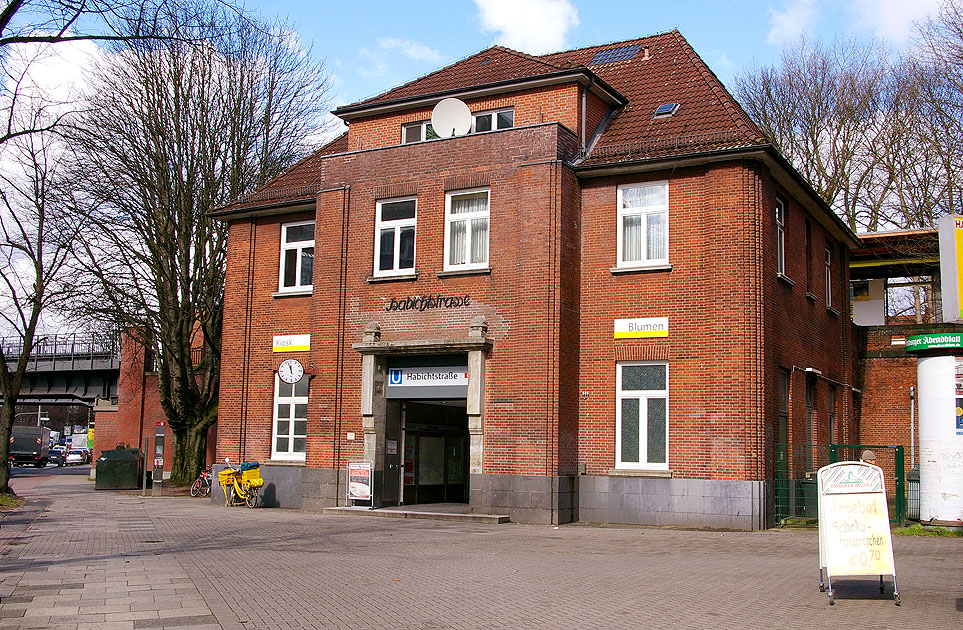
290, 419
643, 224
417, 132
642, 416
466, 230
487, 121
780, 237
395, 237
297, 256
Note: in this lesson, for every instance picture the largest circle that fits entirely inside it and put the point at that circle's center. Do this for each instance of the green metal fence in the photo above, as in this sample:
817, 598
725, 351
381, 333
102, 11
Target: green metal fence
795, 493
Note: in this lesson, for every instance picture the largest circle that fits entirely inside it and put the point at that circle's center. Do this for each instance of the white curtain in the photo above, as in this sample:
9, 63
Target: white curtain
457, 242
656, 224
631, 237
479, 240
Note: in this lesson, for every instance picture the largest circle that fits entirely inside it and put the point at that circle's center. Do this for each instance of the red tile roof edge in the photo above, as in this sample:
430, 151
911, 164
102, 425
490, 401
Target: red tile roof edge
378, 99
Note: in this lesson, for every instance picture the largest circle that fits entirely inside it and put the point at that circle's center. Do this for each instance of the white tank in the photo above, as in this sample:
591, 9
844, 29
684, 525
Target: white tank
941, 438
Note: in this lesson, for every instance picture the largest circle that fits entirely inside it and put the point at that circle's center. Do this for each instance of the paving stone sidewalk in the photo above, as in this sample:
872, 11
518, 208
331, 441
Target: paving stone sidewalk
76, 558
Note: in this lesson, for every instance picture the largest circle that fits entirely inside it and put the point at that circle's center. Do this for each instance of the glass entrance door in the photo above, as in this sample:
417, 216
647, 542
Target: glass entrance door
435, 468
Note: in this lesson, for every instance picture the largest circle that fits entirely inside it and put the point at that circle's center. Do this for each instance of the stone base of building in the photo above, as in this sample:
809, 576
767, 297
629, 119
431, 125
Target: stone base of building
696, 503
526, 499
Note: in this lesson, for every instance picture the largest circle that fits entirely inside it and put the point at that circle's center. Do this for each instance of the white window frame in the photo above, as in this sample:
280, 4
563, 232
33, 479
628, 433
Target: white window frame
397, 224
643, 396
299, 246
644, 212
780, 237
468, 217
493, 115
423, 125
291, 401
829, 277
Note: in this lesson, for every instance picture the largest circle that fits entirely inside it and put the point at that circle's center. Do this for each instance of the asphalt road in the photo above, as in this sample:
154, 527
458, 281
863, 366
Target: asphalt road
77, 558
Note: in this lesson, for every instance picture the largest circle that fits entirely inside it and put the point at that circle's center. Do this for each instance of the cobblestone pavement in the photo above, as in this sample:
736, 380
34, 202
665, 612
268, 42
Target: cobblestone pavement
76, 558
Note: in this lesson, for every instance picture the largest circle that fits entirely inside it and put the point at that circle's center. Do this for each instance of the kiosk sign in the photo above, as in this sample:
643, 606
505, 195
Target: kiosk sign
359, 481
854, 536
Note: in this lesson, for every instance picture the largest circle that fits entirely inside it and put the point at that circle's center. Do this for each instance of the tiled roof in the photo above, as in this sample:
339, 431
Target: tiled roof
708, 117
299, 182
492, 65
664, 69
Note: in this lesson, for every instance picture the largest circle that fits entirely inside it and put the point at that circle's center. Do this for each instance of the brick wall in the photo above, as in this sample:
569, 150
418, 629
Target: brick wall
532, 201
557, 103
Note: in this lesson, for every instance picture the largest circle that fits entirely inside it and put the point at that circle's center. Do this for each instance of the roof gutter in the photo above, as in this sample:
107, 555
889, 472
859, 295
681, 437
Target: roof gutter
584, 77
782, 171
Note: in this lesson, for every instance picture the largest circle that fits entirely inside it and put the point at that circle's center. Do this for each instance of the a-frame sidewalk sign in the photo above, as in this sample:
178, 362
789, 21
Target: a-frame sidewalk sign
854, 535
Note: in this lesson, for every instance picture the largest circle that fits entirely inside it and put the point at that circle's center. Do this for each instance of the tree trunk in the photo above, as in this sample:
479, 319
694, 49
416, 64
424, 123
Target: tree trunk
6, 427
190, 451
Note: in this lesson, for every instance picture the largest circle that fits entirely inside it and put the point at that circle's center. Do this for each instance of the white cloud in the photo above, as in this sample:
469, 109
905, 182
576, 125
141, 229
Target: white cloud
377, 60
416, 51
893, 20
787, 25
532, 26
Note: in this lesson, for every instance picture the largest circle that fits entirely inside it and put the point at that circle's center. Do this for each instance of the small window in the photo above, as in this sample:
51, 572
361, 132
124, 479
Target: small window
417, 132
666, 110
297, 256
394, 237
780, 237
466, 230
290, 434
488, 121
642, 416
643, 219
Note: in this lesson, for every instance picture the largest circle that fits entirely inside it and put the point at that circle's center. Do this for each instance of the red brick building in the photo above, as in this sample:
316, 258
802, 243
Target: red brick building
611, 300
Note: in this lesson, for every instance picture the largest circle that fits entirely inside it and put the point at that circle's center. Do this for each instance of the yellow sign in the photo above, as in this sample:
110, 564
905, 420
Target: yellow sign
958, 240
291, 343
642, 328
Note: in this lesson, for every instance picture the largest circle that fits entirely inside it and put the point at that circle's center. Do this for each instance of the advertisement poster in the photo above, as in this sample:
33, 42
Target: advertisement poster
959, 395
854, 535
359, 481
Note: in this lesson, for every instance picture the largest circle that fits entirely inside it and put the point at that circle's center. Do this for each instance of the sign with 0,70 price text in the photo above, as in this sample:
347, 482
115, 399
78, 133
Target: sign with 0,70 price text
854, 536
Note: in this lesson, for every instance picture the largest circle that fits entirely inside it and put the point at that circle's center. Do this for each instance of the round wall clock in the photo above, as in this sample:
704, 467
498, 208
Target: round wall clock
291, 371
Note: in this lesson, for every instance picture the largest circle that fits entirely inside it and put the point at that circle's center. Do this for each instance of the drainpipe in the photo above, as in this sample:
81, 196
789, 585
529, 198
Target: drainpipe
912, 427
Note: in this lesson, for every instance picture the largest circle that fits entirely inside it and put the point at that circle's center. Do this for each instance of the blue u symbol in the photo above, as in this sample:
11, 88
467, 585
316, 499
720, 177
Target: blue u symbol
394, 377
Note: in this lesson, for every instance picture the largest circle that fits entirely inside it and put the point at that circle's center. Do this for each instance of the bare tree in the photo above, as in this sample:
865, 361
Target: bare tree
940, 85
30, 254
823, 108
35, 239
170, 133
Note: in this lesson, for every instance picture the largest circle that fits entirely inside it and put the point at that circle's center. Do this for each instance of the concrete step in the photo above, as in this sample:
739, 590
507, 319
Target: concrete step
396, 512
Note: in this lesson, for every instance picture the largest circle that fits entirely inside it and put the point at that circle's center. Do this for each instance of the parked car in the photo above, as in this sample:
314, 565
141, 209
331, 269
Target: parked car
75, 456
58, 455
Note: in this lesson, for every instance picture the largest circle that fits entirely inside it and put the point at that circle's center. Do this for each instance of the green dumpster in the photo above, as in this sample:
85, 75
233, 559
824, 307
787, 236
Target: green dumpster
119, 469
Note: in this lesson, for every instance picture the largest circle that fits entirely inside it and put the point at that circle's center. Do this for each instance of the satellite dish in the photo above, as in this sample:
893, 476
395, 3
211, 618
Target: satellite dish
450, 118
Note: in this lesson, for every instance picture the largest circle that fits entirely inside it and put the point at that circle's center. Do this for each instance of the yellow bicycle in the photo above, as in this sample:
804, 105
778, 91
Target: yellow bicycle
241, 485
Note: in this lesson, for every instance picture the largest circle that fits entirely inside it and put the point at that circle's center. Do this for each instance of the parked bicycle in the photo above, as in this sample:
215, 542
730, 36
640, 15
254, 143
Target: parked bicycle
241, 485
202, 485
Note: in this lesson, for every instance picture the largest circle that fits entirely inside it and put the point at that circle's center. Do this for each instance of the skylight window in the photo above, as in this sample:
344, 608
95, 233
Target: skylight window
615, 54
665, 110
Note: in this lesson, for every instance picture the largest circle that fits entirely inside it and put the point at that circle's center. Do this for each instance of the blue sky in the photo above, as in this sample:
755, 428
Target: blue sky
371, 46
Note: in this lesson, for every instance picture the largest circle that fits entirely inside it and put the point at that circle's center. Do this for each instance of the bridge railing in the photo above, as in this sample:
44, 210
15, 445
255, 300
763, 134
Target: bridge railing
67, 349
